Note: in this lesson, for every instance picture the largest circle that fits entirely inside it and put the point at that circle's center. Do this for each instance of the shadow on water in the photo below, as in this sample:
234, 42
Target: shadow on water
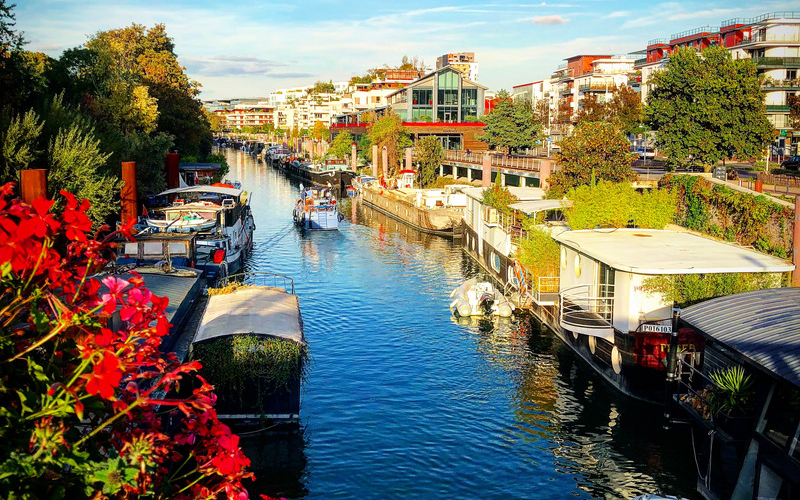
278, 460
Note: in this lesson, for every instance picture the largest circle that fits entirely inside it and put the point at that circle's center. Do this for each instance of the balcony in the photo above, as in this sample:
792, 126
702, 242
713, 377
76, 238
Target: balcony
777, 62
566, 91
769, 40
781, 85
702, 30
581, 311
596, 87
777, 108
657, 41
787, 14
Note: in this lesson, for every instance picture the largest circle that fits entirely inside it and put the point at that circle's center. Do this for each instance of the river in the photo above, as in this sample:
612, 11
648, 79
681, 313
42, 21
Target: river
404, 401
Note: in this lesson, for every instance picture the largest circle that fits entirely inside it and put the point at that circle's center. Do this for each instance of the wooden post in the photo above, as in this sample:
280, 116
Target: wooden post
796, 244
173, 169
33, 184
545, 169
353, 157
130, 209
375, 161
385, 162
487, 171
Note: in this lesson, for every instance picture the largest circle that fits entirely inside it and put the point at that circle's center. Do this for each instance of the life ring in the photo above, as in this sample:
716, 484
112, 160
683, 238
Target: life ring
519, 274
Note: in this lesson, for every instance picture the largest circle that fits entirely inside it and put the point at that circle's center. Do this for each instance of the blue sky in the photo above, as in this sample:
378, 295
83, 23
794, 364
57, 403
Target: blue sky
240, 48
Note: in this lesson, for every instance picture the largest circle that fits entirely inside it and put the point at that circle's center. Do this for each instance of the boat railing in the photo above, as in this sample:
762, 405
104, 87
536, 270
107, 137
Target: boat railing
694, 387
583, 311
545, 293
260, 278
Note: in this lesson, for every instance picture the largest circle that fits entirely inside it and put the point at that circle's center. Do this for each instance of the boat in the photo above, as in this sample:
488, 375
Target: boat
740, 401
422, 209
242, 325
316, 209
360, 181
223, 221
334, 173
479, 298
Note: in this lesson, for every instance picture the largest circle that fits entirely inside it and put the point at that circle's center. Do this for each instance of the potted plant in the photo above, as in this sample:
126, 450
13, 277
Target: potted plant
731, 399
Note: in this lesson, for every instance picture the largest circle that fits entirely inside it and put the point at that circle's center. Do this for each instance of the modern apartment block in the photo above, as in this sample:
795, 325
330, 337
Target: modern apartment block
771, 40
461, 61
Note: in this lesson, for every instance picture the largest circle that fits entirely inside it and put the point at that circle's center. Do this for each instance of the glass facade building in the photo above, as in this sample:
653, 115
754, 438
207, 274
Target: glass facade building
443, 96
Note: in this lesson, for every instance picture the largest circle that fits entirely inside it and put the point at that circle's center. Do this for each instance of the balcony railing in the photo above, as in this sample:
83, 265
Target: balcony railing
657, 41
566, 91
777, 108
781, 84
778, 40
581, 311
518, 163
643, 60
696, 31
777, 62
545, 293
594, 87
787, 14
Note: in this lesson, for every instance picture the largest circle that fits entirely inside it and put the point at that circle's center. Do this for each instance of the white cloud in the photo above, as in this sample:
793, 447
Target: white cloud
619, 13
550, 20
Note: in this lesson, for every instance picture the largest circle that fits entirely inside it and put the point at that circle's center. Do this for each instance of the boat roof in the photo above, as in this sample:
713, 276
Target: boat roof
204, 189
199, 166
533, 206
522, 193
763, 326
258, 310
658, 251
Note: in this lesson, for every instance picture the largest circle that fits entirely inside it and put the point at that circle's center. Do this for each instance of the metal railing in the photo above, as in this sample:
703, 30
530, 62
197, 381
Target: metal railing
498, 161
781, 84
260, 278
581, 308
778, 108
786, 14
657, 41
594, 87
696, 31
777, 62
546, 291
770, 39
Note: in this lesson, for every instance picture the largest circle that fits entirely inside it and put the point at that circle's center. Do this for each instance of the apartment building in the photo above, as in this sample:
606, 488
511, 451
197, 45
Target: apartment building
244, 115
771, 40
463, 62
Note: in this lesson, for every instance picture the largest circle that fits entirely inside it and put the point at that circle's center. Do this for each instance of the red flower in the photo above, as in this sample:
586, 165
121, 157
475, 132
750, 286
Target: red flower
105, 377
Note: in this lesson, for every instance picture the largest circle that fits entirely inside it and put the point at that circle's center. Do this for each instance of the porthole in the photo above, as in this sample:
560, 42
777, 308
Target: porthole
592, 343
495, 262
616, 360
564, 258
577, 265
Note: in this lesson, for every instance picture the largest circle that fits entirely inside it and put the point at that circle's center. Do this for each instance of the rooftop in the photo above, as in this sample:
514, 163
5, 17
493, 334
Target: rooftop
763, 326
653, 251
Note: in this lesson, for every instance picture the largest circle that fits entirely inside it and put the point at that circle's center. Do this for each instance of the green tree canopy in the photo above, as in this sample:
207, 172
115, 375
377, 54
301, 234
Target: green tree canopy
595, 150
389, 131
511, 125
708, 107
609, 204
320, 132
341, 145
430, 155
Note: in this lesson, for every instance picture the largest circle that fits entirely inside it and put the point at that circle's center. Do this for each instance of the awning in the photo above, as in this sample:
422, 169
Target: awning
204, 189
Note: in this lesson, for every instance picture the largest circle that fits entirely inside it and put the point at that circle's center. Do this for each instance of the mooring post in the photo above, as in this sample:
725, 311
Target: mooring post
33, 184
409, 162
385, 162
128, 193
545, 169
486, 181
375, 161
353, 157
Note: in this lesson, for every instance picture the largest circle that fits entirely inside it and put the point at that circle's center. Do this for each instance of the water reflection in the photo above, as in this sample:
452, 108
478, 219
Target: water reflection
404, 399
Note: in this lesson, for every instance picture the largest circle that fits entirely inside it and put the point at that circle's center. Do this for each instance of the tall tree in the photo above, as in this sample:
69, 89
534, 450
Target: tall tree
430, 155
341, 145
708, 107
794, 111
591, 110
320, 132
562, 119
625, 106
594, 150
511, 125
389, 131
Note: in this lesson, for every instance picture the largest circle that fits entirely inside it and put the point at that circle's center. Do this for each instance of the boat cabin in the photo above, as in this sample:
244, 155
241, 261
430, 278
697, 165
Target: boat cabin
607, 301
253, 350
748, 448
406, 178
195, 174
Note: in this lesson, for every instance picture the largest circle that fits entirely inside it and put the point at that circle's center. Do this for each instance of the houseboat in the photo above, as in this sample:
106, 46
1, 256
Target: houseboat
250, 341
742, 397
611, 311
220, 215
432, 211
327, 172
316, 209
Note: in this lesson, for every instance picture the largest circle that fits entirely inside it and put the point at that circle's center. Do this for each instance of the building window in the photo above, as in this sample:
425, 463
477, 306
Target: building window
422, 97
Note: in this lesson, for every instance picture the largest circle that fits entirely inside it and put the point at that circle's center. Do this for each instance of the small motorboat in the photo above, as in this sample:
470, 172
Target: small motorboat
316, 209
479, 298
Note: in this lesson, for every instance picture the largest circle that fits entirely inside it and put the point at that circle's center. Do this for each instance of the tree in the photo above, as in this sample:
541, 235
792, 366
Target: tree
708, 107
389, 132
511, 125
341, 145
562, 119
541, 113
625, 106
594, 150
591, 110
794, 111
430, 155
320, 132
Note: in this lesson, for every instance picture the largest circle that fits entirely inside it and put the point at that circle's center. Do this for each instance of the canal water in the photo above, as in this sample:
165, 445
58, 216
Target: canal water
402, 400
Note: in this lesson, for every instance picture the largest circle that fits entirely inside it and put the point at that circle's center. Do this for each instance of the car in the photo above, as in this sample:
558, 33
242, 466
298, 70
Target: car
646, 153
792, 163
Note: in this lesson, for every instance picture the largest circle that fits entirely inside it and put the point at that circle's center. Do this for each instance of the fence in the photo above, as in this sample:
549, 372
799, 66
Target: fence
260, 278
779, 179
498, 161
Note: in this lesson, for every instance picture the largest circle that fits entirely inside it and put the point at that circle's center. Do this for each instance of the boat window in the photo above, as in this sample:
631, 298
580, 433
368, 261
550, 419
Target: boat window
131, 248
152, 248
783, 414
177, 248
495, 262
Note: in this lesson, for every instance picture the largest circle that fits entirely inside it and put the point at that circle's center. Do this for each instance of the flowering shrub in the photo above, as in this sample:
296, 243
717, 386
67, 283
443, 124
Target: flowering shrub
86, 411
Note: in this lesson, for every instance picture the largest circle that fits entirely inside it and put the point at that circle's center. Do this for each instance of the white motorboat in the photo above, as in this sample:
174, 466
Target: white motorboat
479, 298
360, 181
316, 209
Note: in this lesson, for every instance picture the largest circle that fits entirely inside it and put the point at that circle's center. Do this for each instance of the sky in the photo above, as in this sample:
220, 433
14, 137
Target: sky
245, 48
